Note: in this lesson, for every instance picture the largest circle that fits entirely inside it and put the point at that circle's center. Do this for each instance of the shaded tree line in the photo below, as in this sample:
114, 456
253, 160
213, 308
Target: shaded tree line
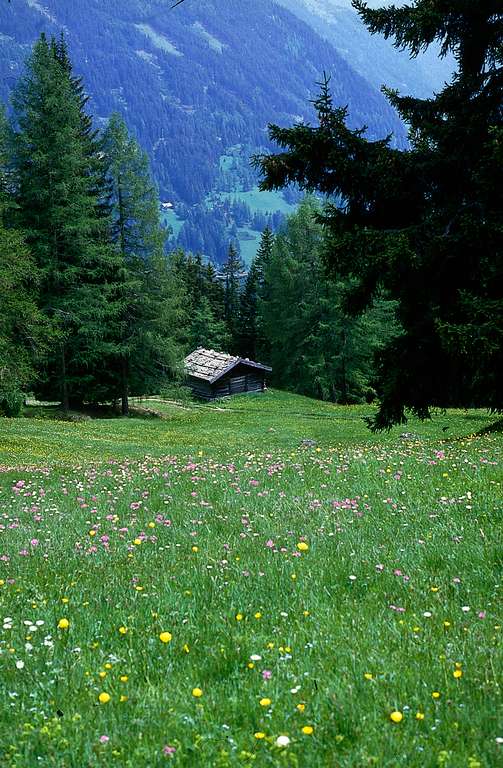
93, 308
90, 308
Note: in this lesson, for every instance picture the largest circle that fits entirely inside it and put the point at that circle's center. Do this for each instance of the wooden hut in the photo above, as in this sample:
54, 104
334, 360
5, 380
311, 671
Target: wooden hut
213, 374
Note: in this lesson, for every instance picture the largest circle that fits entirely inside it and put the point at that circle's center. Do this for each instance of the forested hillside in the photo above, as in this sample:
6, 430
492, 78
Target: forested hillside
371, 55
197, 86
195, 82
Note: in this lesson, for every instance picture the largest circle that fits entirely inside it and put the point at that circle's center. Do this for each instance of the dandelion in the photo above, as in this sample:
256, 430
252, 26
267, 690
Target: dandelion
195, 549
104, 697
165, 637
197, 693
259, 735
368, 676
123, 678
301, 707
265, 702
308, 730
457, 673
419, 715
63, 624
436, 694
122, 630
257, 615
302, 546
239, 617
396, 716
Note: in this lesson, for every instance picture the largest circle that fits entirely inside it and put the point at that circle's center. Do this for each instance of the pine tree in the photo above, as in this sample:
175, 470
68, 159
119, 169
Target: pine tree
148, 296
424, 223
232, 270
59, 183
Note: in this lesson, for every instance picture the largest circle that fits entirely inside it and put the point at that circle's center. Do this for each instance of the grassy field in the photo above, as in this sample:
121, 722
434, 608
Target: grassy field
260, 582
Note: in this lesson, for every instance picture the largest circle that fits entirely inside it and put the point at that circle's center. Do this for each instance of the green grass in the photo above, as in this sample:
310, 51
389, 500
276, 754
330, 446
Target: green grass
170, 218
249, 244
263, 202
190, 524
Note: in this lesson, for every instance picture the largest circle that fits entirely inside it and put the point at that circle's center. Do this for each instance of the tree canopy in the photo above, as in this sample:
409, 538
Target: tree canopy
425, 223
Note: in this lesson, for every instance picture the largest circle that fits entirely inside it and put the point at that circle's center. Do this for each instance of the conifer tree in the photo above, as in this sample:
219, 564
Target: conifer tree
232, 270
59, 183
262, 260
23, 335
248, 315
316, 347
208, 330
145, 334
424, 223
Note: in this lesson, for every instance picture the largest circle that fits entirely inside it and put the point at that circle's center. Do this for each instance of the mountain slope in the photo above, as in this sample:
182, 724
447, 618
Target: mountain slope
197, 84
372, 56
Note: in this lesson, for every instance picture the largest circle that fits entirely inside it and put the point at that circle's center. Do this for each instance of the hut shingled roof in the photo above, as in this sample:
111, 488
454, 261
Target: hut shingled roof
210, 365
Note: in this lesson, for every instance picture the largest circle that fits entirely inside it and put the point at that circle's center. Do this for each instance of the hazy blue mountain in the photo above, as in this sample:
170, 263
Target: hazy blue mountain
192, 82
371, 55
198, 86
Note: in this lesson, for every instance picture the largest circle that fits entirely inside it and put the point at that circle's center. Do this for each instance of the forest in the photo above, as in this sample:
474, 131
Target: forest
388, 289
95, 310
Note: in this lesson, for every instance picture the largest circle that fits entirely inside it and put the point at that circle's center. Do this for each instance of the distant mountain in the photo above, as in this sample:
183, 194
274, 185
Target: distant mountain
199, 84
372, 56
194, 82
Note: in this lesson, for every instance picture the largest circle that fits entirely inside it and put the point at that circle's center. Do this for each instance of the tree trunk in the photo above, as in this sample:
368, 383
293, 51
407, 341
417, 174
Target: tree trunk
344, 383
65, 401
125, 388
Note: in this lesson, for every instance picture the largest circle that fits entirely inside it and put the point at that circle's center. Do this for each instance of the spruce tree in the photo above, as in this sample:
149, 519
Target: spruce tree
316, 347
232, 270
424, 223
262, 260
23, 335
248, 315
143, 338
60, 207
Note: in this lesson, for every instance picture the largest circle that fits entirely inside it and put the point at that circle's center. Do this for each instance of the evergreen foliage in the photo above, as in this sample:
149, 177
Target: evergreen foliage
424, 223
58, 173
316, 347
147, 297
232, 271
206, 325
21, 324
85, 279
262, 261
248, 315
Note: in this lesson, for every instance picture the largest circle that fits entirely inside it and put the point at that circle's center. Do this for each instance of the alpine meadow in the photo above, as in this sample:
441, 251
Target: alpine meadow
251, 393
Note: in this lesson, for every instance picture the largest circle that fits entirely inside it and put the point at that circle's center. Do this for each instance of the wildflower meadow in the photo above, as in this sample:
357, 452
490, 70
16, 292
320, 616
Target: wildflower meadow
260, 582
